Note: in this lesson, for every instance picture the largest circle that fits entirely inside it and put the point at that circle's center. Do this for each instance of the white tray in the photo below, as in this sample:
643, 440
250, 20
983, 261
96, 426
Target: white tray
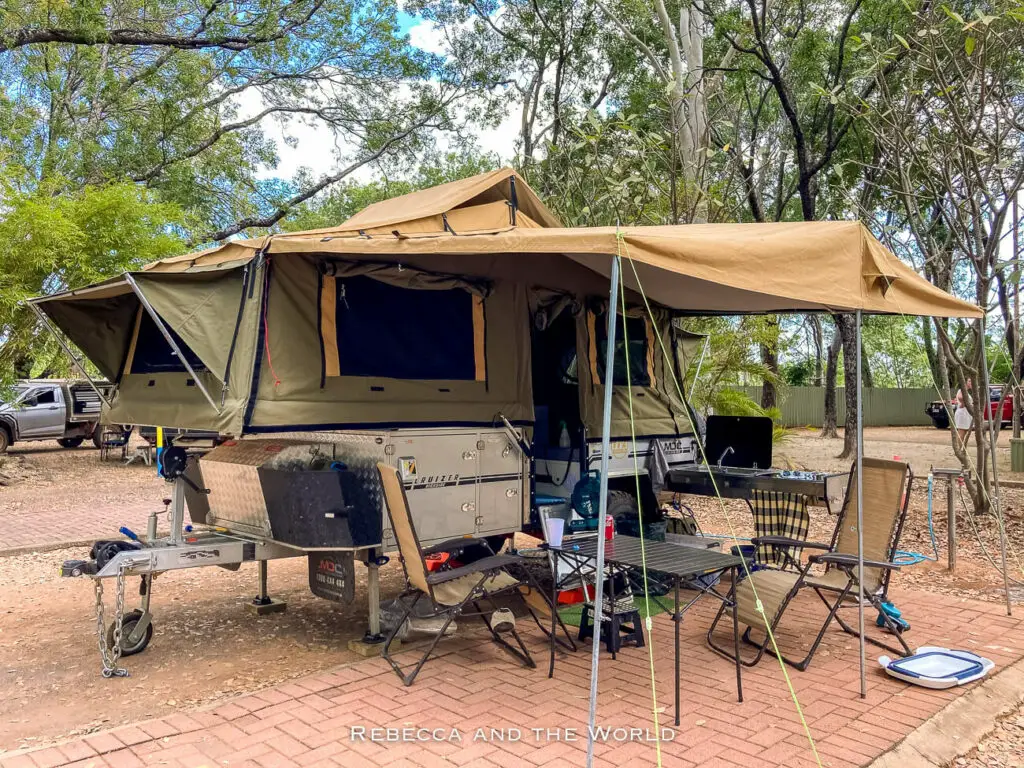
935, 667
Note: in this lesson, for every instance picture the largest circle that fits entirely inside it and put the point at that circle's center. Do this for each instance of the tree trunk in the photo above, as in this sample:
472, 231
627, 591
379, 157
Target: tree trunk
847, 329
819, 343
930, 351
828, 428
770, 360
769, 393
686, 104
869, 379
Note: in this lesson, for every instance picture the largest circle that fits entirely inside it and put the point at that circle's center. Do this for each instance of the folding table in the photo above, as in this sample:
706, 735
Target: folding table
684, 564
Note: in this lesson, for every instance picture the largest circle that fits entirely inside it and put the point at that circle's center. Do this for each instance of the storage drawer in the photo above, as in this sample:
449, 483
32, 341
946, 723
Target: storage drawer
501, 507
440, 513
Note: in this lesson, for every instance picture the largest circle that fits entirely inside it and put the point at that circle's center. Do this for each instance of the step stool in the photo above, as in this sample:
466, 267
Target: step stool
622, 626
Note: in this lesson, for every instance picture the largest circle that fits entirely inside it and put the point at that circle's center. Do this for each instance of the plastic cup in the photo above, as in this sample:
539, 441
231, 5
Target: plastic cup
554, 527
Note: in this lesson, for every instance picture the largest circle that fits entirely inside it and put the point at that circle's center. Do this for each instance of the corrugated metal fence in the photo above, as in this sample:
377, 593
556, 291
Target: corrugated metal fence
805, 406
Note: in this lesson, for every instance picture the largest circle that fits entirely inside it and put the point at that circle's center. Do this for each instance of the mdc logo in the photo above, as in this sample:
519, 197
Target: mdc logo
330, 566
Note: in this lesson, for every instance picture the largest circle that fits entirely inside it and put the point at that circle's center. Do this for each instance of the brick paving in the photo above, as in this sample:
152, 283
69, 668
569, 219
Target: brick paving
73, 497
53, 528
317, 720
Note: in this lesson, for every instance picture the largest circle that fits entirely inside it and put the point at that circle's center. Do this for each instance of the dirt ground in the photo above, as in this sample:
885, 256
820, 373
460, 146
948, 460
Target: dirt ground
208, 646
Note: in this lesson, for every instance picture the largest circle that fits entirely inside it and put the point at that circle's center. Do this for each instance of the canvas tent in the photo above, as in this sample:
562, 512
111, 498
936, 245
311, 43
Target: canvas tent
418, 311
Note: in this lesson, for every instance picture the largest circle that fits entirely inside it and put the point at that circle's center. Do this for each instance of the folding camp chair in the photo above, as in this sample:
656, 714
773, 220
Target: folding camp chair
452, 591
114, 442
886, 498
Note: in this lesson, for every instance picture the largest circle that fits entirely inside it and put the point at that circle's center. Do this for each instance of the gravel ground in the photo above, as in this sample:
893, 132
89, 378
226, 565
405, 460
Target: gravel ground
1003, 748
52, 494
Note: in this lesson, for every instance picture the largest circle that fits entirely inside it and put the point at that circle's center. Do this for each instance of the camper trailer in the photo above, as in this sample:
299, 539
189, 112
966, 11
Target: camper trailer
457, 334
478, 378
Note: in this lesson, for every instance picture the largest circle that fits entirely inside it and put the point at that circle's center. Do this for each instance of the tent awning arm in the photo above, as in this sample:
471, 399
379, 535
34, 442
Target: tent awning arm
158, 321
67, 348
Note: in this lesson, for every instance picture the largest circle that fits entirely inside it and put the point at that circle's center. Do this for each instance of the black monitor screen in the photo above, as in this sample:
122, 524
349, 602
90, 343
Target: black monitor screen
750, 438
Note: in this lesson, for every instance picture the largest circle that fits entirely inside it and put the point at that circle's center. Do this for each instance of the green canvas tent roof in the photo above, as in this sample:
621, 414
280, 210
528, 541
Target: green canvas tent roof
255, 313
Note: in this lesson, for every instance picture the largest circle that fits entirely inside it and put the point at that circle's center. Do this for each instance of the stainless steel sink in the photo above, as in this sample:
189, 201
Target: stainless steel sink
735, 471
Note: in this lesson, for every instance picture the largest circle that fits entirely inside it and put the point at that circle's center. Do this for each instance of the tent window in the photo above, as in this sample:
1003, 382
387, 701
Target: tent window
152, 354
389, 331
640, 372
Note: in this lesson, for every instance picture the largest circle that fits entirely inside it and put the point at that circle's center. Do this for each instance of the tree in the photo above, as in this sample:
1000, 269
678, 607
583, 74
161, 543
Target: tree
178, 95
541, 58
49, 243
952, 134
349, 197
184, 26
829, 426
687, 85
794, 141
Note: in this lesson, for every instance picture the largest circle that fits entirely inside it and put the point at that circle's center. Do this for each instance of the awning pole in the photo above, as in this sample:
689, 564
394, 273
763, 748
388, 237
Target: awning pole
170, 339
860, 507
606, 429
60, 340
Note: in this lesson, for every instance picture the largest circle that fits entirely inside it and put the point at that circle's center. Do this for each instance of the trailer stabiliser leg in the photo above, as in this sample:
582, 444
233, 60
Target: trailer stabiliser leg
263, 604
372, 642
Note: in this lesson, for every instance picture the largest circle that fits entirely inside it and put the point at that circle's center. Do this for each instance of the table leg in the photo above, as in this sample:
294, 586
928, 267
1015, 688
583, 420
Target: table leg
736, 635
554, 609
598, 612
678, 619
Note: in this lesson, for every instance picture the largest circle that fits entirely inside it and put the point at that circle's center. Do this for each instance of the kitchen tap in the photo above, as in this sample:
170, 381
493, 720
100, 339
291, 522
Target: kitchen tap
726, 452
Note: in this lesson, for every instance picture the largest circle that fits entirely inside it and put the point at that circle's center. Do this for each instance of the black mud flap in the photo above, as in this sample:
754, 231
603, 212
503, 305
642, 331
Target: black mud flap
332, 575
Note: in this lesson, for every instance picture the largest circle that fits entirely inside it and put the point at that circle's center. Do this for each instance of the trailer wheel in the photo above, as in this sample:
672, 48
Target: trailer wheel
622, 503
70, 442
130, 620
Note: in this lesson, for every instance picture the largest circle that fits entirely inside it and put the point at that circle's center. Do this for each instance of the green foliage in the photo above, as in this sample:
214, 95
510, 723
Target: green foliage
194, 124
534, 58
49, 243
347, 198
732, 354
895, 352
799, 373
608, 170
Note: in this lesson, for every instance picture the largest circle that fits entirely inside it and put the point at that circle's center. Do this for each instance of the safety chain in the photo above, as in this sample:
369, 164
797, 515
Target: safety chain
110, 656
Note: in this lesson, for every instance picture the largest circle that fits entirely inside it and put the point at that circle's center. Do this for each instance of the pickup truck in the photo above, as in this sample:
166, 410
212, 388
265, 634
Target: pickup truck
51, 409
940, 411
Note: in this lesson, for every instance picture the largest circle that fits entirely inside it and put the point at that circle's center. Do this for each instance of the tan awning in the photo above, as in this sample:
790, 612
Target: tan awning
465, 227
698, 268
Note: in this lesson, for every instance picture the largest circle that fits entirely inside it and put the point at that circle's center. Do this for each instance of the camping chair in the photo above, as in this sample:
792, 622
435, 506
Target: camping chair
886, 498
114, 441
452, 591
